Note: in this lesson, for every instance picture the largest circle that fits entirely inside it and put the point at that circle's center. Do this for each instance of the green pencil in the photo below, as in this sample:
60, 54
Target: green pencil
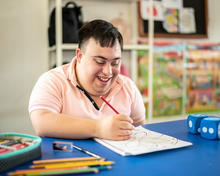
66, 171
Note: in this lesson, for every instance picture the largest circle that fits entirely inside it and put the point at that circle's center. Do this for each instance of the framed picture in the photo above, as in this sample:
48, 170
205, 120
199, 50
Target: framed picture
188, 21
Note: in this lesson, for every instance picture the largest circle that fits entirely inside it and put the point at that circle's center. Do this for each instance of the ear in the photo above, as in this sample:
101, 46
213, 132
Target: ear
79, 54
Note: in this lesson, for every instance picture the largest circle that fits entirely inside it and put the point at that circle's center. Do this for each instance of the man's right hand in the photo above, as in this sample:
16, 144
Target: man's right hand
117, 127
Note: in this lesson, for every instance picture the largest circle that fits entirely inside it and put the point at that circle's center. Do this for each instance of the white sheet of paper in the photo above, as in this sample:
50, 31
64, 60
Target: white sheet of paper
143, 141
187, 20
157, 10
175, 4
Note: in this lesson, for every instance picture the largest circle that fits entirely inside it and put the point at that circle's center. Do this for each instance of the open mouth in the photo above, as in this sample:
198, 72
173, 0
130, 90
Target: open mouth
104, 79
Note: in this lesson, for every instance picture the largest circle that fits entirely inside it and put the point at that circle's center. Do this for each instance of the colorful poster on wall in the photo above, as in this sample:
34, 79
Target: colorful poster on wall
167, 78
143, 75
203, 80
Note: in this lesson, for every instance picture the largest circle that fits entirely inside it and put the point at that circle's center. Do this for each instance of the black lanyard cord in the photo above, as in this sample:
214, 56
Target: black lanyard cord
88, 96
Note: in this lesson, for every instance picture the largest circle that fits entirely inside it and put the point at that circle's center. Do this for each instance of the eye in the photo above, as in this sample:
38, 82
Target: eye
99, 62
115, 63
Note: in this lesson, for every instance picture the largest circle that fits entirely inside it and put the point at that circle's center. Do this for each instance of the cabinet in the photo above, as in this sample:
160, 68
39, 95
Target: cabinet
130, 10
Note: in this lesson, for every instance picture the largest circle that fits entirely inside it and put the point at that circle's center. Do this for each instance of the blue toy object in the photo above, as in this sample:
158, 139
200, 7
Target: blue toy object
193, 122
210, 127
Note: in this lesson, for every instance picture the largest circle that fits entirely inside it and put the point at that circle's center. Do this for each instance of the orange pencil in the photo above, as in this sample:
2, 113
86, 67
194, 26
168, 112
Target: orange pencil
62, 160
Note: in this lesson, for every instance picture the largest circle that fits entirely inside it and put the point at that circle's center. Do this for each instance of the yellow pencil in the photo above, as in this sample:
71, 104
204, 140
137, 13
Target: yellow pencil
25, 171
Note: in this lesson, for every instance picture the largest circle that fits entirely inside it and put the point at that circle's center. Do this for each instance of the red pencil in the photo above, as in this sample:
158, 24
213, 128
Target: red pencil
109, 105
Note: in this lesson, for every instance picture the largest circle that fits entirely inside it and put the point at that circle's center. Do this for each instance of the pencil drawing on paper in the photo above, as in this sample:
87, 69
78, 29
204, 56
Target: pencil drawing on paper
143, 141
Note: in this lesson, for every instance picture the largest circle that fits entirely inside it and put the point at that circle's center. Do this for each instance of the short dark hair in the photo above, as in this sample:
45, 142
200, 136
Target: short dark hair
102, 31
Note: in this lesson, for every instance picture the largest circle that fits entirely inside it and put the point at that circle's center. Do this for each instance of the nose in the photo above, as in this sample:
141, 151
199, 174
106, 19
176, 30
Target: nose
107, 69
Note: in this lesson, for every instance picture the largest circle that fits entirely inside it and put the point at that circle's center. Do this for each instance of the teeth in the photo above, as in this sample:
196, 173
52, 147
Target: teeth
103, 79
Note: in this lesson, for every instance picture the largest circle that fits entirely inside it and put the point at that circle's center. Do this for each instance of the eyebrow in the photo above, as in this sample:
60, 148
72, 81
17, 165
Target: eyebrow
104, 58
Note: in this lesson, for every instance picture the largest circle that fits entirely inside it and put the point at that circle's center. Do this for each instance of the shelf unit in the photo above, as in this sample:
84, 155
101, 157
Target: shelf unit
128, 47
59, 47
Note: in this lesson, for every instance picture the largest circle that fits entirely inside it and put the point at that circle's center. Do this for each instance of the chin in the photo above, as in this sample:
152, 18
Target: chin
101, 92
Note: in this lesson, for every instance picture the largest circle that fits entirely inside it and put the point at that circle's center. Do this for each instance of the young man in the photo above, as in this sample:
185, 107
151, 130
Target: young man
66, 103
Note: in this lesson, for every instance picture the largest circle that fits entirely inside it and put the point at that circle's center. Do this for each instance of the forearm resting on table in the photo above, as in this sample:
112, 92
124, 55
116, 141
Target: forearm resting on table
49, 124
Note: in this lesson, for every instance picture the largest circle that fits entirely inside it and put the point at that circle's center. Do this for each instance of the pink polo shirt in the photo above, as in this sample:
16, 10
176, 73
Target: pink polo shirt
56, 91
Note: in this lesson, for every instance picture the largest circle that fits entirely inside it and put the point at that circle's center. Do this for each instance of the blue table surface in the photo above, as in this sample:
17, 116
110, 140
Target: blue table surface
200, 159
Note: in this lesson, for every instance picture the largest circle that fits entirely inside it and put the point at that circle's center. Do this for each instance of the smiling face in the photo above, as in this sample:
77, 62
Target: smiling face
97, 67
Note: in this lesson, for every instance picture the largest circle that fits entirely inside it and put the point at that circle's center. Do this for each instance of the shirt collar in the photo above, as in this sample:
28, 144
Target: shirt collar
72, 72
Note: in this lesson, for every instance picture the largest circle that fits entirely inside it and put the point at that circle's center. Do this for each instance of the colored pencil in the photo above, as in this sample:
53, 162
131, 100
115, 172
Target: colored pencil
74, 164
2, 141
25, 171
56, 171
62, 160
109, 105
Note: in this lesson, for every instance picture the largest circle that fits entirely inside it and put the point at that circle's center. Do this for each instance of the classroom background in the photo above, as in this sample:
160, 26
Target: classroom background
24, 57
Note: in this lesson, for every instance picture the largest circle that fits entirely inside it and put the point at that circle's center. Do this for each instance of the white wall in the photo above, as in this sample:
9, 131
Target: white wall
23, 55
214, 22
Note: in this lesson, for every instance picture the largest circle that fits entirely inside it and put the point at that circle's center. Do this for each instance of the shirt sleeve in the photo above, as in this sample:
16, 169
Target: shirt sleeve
46, 94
